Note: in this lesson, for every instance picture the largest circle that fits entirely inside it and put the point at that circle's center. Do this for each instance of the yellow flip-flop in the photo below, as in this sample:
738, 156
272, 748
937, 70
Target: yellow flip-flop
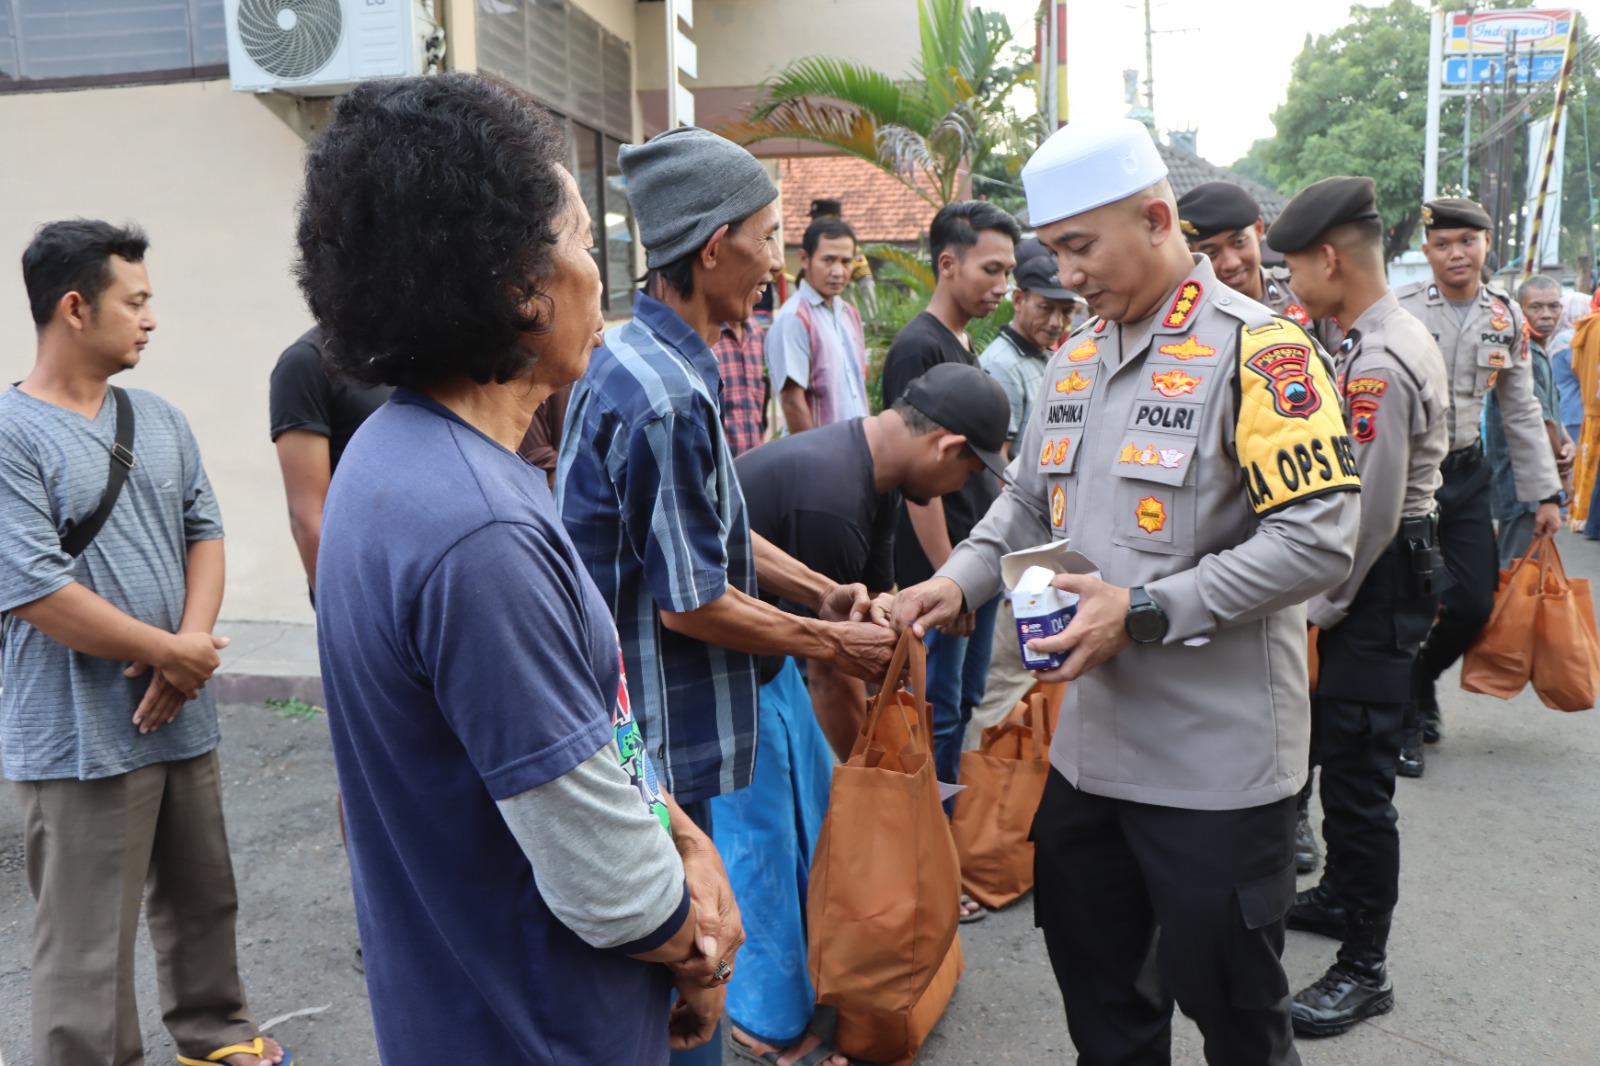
256, 1047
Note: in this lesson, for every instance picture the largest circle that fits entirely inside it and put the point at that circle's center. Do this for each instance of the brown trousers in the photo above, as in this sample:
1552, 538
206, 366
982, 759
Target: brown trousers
92, 849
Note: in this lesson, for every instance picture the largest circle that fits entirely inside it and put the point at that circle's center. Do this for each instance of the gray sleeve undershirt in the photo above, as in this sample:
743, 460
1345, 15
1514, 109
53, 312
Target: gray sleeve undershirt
601, 859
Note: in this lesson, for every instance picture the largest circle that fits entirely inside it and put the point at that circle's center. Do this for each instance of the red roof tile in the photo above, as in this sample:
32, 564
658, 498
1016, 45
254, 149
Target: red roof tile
877, 206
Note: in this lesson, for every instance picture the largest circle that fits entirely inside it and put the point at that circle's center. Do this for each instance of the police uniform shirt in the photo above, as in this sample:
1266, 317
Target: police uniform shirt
1201, 454
1279, 297
1396, 398
1487, 349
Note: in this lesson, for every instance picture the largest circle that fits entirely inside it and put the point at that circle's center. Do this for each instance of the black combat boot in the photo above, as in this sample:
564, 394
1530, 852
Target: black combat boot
1317, 910
1356, 986
1428, 715
1412, 762
1306, 852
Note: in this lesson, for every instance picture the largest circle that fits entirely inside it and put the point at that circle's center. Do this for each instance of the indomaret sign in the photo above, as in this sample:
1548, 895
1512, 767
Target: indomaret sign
1477, 46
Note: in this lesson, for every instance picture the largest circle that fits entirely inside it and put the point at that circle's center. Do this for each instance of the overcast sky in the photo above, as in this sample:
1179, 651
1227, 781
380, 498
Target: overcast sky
1221, 65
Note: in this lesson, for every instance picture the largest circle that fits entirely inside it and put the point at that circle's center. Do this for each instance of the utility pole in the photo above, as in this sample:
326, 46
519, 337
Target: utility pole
1466, 113
1505, 166
1430, 157
1149, 63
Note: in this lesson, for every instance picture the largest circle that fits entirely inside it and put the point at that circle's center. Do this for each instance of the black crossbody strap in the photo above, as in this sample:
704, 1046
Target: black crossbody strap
82, 535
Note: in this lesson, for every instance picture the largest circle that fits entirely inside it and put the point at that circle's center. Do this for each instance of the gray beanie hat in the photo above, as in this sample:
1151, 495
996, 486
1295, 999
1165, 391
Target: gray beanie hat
685, 183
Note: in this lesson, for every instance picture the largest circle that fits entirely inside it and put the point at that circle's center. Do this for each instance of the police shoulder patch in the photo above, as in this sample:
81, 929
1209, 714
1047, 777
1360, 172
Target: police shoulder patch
1291, 445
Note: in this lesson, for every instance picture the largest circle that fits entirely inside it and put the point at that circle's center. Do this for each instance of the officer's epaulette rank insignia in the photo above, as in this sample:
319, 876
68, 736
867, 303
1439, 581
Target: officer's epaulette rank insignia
1183, 305
1291, 445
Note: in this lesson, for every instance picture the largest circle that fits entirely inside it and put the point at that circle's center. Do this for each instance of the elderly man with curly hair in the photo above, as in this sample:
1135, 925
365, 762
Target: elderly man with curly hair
526, 892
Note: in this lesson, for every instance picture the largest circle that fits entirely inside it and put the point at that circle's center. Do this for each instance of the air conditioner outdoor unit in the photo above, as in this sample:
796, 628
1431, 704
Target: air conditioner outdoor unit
323, 47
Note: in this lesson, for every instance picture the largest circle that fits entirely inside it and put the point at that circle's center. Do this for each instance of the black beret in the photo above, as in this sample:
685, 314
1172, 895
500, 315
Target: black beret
1455, 212
1216, 207
1319, 207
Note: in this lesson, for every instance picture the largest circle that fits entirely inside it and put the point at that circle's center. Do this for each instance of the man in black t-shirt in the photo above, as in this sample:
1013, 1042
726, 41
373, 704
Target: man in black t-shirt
973, 244
828, 497
313, 418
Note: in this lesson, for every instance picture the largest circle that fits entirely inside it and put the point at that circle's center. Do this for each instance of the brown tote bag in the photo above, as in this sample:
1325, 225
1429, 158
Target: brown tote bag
1500, 661
885, 881
1566, 648
994, 815
895, 1039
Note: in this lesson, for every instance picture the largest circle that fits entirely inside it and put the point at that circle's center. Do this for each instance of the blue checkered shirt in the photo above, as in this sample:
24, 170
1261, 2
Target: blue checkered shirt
646, 488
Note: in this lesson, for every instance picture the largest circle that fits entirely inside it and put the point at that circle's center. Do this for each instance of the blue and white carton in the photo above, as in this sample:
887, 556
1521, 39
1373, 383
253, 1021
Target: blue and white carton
1041, 609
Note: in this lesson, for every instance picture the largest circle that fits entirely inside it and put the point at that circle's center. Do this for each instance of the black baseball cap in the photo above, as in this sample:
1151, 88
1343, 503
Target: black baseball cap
1038, 276
966, 400
1031, 247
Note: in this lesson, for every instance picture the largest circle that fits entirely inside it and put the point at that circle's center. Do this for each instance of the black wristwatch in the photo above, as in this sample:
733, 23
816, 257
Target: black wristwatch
1146, 623
1552, 499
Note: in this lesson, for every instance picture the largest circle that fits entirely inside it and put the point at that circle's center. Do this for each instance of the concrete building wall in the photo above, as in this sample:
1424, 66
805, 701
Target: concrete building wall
742, 42
213, 176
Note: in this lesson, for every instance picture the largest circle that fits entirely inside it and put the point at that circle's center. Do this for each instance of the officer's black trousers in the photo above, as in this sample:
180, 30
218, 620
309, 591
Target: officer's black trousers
1356, 716
1357, 744
1466, 537
1217, 883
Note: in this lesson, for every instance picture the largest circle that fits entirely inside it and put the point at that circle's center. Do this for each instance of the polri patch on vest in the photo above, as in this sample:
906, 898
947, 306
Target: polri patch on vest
1058, 507
1181, 417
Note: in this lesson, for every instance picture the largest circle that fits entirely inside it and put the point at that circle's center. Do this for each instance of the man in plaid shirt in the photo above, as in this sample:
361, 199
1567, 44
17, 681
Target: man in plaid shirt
739, 352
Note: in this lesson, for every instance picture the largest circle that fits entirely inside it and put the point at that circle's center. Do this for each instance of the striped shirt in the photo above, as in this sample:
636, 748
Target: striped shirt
64, 714
646, 488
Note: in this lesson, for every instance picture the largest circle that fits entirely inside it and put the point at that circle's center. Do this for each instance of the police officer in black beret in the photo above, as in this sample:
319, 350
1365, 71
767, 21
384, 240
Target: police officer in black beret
1223, 222
1479, 329
1395, 397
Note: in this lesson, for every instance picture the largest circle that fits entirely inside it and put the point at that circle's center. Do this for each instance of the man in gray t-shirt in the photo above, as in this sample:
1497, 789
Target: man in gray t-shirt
104, 722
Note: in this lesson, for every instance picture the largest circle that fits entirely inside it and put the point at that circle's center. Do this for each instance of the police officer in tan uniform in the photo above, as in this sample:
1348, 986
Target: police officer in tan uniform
1396, 399
1223, 222
1190, 444
1479, 330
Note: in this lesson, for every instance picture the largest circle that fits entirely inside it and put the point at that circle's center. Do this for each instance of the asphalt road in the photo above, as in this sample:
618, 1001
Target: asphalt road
1495, 953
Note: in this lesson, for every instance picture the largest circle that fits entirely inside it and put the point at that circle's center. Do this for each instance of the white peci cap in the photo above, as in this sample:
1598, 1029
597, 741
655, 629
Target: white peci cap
1087, 164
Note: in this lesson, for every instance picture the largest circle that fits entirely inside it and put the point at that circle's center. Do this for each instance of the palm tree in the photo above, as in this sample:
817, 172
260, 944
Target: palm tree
930, 130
